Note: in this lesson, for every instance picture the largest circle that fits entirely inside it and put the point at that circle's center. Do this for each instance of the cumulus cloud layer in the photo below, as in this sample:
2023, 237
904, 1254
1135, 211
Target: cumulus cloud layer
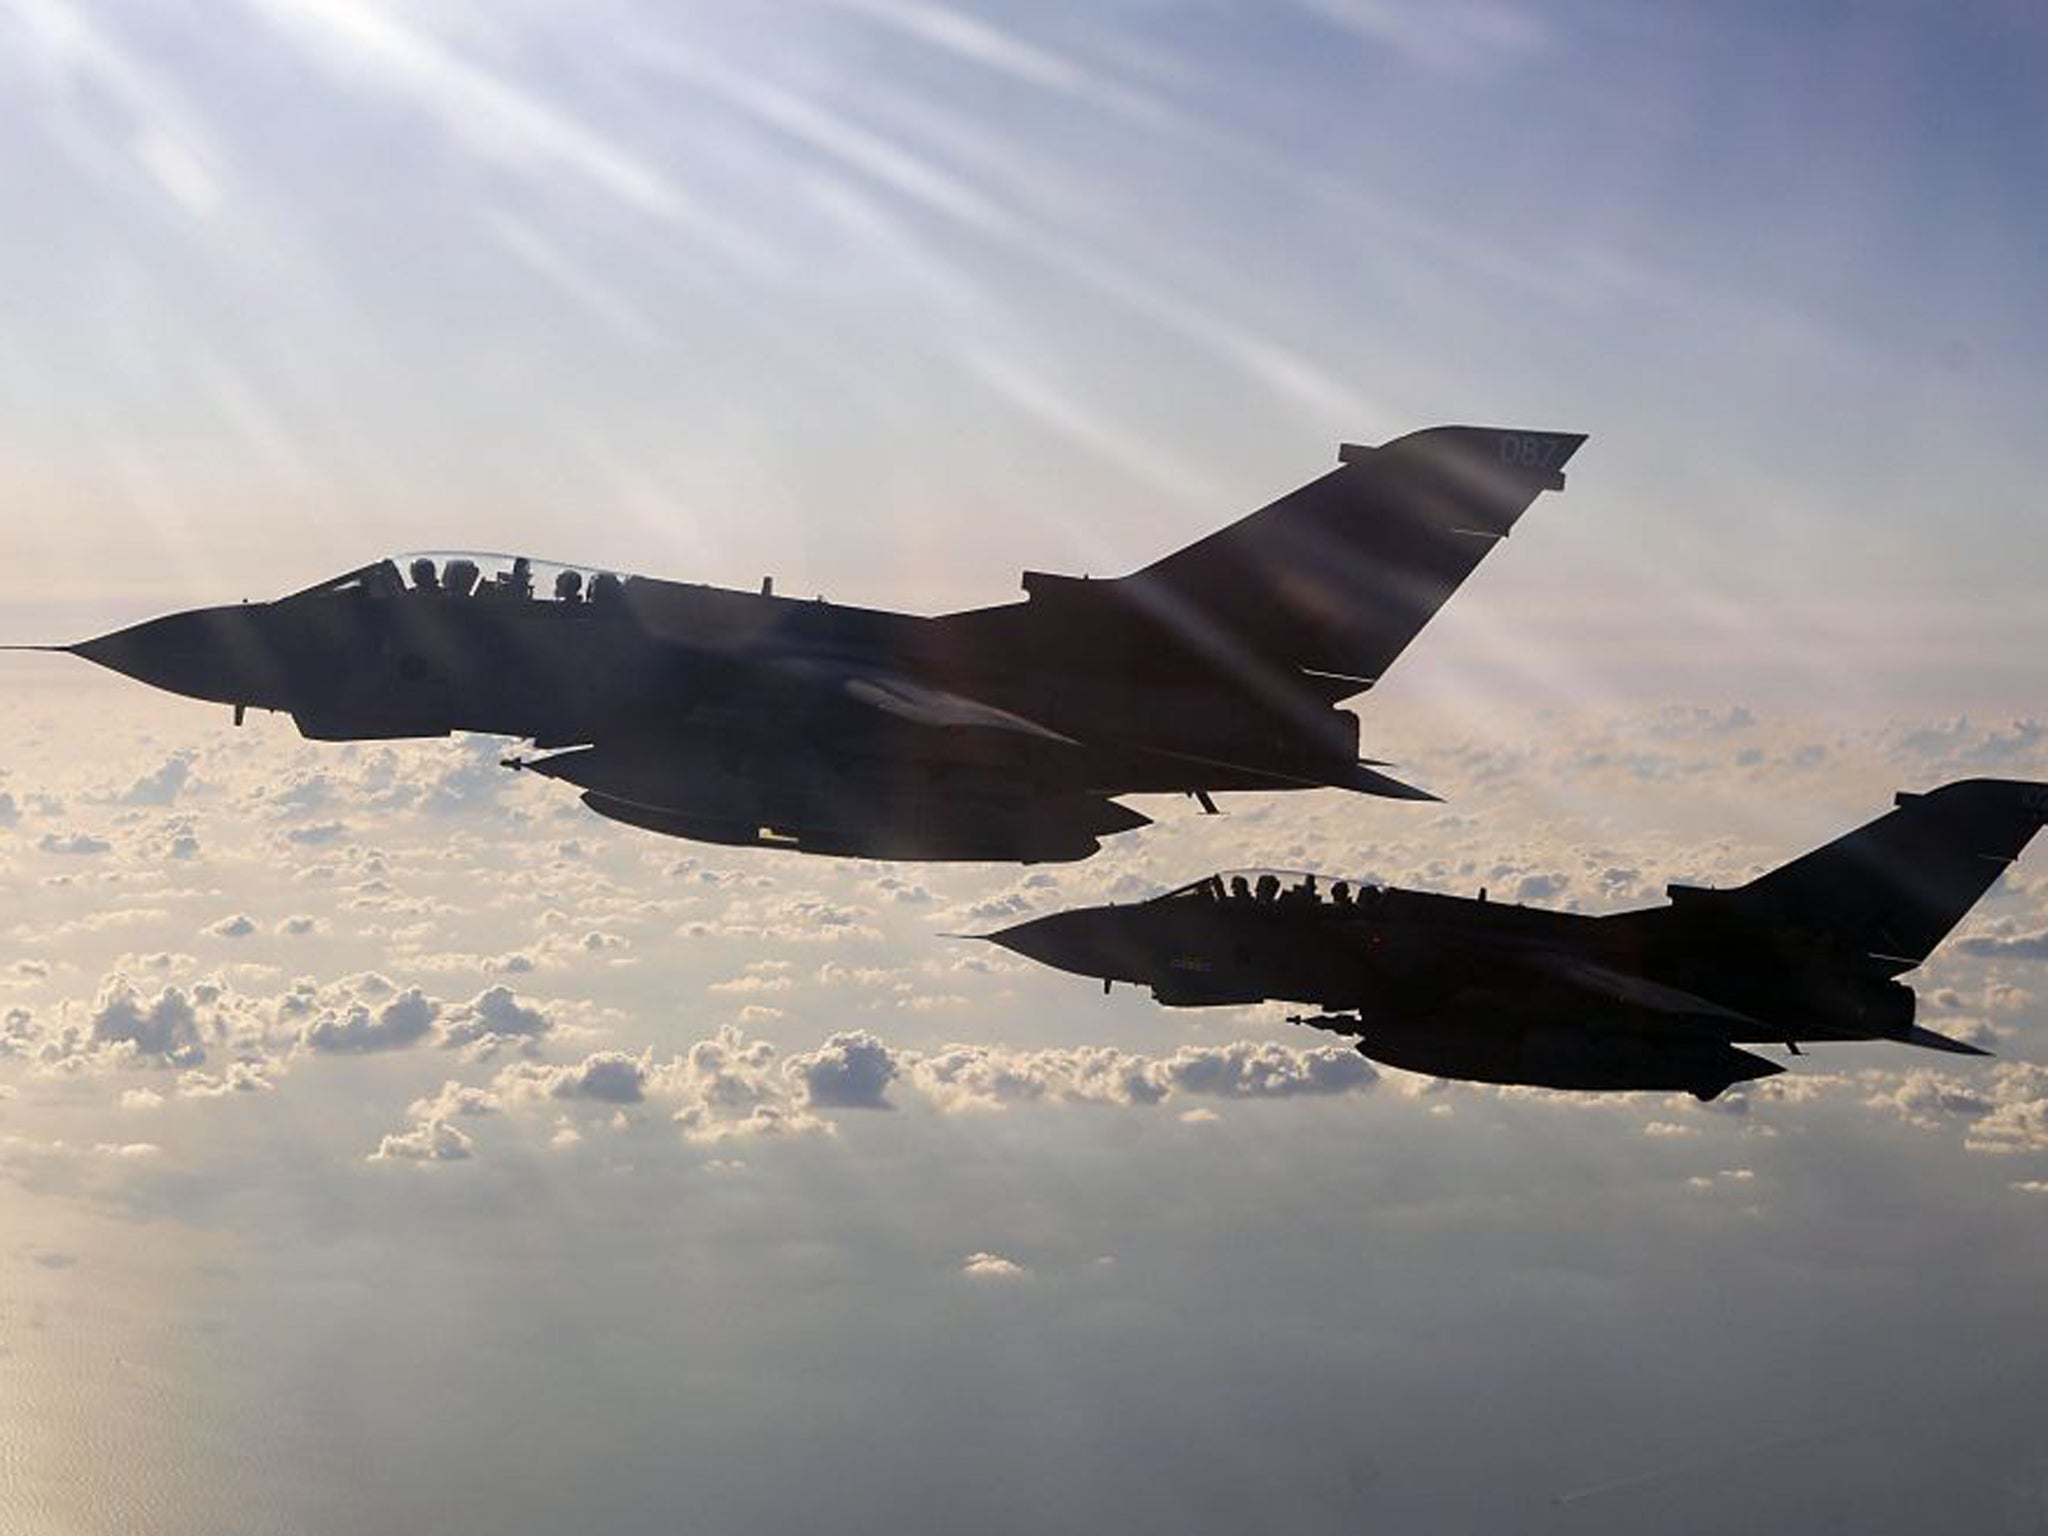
731, 1087
757, 995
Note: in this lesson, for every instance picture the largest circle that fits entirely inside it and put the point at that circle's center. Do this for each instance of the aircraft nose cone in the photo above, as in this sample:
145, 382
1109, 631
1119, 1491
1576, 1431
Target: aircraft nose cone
1086, 943
1042, 939
221, 654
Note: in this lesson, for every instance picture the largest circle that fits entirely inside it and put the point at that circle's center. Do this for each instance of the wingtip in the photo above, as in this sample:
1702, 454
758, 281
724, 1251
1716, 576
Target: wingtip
1370, 781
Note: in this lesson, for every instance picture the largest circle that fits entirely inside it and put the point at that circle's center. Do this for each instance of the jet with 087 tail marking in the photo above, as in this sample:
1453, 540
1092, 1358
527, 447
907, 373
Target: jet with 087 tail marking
993, 734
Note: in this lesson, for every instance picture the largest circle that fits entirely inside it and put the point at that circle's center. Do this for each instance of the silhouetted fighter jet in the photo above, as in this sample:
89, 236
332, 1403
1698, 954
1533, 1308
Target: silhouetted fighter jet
1653, 999
1000, 733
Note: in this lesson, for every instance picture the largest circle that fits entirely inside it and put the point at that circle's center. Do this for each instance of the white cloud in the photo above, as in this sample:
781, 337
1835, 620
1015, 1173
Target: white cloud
455, 1099
238, 1077
966, 1077
754, 983
77, 843
2016, 946
1244, 1069
992, 1266
990, 1077
161, 785
2017, 1120
405, 1020
164, 1028
1721, 1180
605, 1077
19, 1032
728, 1087
849, 1071
1927, 1099
431, 1141
493, 1017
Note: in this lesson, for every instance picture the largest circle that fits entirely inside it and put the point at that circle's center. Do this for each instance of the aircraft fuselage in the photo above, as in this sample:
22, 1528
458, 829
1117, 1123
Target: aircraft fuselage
993, 733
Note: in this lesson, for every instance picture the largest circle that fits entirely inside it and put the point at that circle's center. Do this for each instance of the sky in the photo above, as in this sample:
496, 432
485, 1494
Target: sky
387, 1144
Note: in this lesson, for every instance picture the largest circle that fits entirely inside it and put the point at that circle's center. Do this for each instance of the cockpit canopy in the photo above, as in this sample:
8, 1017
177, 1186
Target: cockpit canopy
454, 573
1270, 887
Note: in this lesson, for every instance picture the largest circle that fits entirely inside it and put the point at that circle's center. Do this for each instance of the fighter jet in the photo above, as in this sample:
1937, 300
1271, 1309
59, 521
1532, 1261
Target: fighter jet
1651, 999
998, 733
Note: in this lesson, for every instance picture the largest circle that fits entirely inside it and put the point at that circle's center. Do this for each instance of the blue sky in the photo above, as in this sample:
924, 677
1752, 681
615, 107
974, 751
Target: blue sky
896, 300
387, 1144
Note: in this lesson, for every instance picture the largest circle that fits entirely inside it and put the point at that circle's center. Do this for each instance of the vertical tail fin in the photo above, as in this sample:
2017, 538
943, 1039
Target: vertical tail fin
1338, 576
1896, 886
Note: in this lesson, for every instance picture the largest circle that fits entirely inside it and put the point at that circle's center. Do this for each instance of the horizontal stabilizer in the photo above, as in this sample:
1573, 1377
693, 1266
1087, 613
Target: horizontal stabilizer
1920, 1035
1369, 781
1356, 776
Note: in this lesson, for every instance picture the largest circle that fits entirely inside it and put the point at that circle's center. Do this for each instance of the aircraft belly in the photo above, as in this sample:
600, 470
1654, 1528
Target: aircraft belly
858, 807
934, 832
1565, 1056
